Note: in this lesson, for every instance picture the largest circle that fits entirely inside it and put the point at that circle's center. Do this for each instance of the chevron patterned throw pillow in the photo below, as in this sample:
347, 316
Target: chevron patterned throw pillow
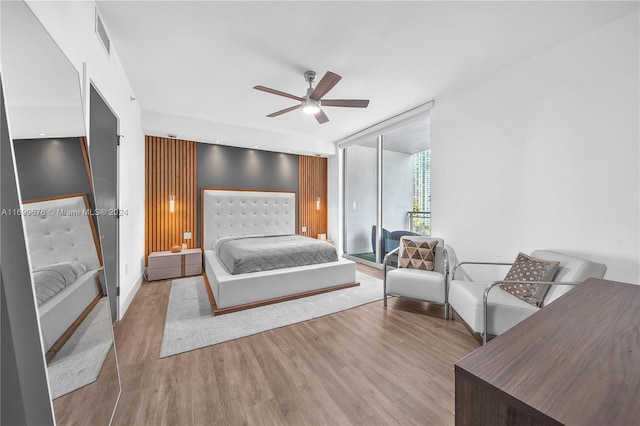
418, 254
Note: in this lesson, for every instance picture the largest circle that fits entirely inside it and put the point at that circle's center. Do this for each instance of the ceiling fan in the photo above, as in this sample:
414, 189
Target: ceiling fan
312, 102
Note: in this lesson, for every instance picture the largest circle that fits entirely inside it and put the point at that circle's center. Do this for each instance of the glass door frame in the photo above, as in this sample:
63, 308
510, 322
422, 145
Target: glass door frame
377, 130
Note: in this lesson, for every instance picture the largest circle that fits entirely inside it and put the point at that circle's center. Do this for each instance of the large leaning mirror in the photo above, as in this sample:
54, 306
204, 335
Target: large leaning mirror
46, 123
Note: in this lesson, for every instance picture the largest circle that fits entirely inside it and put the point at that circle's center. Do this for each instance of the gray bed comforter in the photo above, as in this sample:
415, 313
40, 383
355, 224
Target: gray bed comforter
241, 255
50, 280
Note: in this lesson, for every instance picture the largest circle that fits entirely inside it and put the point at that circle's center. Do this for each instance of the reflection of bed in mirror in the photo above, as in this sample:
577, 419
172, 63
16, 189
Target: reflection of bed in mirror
65, 262
233, 213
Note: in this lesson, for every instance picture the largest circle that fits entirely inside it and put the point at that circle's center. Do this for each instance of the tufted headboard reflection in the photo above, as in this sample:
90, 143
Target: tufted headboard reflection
230, 213
61, 230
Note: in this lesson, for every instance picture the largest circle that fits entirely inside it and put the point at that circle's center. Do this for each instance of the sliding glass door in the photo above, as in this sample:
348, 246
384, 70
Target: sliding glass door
387, 183
406, 177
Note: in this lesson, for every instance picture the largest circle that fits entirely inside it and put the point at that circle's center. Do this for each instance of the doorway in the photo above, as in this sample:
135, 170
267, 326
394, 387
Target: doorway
103, 154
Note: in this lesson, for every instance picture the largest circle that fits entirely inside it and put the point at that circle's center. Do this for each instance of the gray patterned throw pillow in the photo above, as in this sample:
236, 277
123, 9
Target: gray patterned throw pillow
527, 268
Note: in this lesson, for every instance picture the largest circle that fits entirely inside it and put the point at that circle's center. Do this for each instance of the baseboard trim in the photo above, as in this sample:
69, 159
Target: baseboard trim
126, 301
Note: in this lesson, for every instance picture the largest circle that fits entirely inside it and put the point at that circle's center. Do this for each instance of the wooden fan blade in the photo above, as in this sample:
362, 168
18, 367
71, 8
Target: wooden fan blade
349, 103
327, 82
277, 92
321, 117
283, 111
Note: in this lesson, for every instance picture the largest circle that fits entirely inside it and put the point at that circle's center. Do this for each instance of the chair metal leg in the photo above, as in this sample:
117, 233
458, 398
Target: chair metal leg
446, 311
384, 283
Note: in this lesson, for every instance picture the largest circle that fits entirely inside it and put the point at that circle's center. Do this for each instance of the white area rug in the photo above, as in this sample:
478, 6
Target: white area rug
190, 323
80, 359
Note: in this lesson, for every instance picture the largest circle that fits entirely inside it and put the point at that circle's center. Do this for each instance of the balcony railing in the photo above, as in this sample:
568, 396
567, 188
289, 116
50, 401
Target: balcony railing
420, 222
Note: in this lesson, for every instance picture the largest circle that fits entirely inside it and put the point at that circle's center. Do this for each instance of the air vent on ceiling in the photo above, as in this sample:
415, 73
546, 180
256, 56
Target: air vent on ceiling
101, 32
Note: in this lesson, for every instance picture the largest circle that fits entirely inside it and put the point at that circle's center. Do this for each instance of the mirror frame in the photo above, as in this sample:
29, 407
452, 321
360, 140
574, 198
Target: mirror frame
83, 139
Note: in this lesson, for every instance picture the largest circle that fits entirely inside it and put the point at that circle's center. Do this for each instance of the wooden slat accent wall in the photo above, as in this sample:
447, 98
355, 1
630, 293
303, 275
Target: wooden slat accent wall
170, 169
312, 183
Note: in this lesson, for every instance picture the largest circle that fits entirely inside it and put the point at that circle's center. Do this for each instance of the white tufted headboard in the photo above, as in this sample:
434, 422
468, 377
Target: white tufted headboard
61, 230
230, 213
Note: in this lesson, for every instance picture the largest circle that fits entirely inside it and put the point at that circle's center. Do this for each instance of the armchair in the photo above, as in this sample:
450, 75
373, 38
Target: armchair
489, 310
390, 240
430, 286
385, 237
393, 240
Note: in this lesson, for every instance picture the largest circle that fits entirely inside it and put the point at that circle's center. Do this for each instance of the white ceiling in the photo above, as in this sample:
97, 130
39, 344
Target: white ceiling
197, 62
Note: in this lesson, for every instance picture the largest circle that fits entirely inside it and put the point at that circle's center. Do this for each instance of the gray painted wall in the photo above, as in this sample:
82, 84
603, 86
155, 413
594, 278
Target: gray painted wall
222, 166
51, 167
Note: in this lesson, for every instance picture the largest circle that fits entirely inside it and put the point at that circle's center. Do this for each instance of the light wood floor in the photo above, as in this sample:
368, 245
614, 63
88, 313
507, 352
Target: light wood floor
367, 365
92, 404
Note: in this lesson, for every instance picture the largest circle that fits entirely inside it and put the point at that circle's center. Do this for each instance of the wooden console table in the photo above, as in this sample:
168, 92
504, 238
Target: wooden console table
575, 362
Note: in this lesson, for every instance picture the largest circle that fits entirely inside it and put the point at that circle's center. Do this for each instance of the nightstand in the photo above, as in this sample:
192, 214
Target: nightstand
327, 241
165, 264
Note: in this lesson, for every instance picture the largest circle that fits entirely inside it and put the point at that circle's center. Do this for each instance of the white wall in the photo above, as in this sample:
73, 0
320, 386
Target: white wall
71, 24
193, 129
361, 190
545, 154
397, 190
335, 200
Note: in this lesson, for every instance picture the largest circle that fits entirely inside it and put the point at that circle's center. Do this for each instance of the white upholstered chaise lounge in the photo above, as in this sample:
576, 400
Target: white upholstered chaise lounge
490, 311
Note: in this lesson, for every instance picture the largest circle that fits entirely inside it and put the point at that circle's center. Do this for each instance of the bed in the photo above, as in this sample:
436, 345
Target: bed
235, 213
65, 262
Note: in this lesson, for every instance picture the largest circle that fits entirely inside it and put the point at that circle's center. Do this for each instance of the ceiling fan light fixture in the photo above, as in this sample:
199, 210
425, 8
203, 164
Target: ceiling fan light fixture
310, 106
311, 103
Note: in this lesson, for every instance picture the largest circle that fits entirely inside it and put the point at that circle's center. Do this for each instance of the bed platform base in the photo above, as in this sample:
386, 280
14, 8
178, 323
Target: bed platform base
228, 310
72, 328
